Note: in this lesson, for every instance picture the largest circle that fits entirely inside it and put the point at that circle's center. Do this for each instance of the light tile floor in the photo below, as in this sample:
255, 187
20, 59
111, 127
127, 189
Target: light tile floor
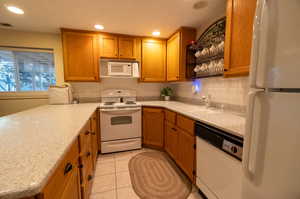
112, 180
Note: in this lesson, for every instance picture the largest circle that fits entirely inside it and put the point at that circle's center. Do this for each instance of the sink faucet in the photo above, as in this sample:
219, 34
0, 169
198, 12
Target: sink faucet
207, 100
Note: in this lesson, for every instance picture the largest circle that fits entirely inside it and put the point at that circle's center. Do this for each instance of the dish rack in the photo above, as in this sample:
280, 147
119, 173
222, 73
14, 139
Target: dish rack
205, 58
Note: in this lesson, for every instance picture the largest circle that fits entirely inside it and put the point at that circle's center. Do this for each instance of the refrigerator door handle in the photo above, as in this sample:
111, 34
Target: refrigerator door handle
258, 20
251, 142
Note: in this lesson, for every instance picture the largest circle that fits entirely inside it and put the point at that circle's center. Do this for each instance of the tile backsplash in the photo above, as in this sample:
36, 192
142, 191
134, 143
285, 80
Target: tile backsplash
92, 90
231, 91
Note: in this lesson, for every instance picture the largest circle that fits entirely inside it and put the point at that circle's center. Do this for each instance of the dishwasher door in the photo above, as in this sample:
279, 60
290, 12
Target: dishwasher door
219, 175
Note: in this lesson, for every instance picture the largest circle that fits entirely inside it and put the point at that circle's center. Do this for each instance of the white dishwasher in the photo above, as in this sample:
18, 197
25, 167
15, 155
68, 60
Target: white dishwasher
219, 166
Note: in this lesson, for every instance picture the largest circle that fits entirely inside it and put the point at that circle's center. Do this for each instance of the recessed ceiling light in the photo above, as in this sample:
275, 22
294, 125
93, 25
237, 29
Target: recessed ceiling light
155, 33
15, 10
99, 27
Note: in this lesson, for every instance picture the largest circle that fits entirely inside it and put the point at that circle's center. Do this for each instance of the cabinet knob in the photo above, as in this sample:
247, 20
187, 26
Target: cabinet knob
93, 133
88, 154
174, 129
68, 168
87, 132
90, 177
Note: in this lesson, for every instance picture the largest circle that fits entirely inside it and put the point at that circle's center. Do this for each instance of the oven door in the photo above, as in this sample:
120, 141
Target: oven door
117, 124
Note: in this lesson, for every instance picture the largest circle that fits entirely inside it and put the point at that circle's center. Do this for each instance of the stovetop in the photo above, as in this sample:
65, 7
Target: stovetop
119, 104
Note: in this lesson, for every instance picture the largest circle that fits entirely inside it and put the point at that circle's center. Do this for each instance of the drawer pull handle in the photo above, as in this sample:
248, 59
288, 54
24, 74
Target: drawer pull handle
88, 154
87, 132
174, 129
80, 166
90, 177
68, 168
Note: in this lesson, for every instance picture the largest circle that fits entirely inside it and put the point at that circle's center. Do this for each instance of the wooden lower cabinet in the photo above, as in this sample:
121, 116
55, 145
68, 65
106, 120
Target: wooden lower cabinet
94, 136
73, 178
171, 140
65, 175
72, 190
180, 142
186, 153
153, 127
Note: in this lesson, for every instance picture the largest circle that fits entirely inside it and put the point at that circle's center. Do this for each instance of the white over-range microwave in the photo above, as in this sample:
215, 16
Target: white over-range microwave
119, 69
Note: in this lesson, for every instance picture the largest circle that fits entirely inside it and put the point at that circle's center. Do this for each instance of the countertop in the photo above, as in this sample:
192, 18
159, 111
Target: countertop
227, 121
32, 144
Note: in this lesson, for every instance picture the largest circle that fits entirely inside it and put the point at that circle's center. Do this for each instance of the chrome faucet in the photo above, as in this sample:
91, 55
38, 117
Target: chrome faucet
207, 100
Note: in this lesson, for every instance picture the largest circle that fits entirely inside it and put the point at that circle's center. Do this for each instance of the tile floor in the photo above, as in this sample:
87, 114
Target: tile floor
112, 180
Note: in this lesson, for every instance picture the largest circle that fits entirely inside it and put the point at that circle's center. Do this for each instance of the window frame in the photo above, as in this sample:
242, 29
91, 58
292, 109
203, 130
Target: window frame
27, 94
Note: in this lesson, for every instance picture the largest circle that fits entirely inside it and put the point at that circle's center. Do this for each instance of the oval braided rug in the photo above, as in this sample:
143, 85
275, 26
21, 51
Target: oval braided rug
155, 175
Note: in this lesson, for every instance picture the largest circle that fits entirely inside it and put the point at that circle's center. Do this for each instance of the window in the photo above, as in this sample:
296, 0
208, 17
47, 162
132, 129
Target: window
24, 70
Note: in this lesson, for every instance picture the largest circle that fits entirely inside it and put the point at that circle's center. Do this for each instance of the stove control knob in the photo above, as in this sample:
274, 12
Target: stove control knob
234, 149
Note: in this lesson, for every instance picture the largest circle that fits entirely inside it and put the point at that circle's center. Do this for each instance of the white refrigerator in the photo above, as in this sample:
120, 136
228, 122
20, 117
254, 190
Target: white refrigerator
271, 160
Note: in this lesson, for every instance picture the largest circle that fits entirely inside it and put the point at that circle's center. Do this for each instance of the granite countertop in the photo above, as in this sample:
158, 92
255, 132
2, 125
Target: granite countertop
32, 144
227, 121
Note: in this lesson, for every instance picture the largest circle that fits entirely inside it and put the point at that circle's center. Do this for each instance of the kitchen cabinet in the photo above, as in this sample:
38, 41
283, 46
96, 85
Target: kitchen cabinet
86, 159
127, 48
171, 140
186, 153
72, 190
153, 60
114, 46
176, 53
153, 127
238, 37
95, 137
65, 177
81, 56
108, 46
180, 141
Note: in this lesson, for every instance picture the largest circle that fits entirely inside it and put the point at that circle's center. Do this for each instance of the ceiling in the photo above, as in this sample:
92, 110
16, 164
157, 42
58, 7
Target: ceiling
136, 17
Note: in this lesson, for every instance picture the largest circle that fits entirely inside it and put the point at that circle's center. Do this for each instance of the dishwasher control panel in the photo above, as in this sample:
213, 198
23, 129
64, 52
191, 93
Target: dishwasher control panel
232, 148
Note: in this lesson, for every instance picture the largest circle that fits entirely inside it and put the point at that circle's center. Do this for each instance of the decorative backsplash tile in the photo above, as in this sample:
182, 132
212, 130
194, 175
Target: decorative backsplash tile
231, 91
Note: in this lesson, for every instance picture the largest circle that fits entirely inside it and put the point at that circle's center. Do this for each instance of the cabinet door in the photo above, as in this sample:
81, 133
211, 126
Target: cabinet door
108, 46
153, 127
94, 137
171, 140
80, 52
153, 60
127, 46
72, 188
173, 57
238, 41
186, 153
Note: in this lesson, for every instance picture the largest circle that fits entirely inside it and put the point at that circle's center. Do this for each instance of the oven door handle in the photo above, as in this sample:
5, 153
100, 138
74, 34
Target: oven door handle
120, 111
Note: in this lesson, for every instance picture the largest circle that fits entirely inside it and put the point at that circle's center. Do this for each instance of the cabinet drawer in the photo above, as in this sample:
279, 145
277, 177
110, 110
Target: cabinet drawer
170, 116
85, 138
58, 181
185, 124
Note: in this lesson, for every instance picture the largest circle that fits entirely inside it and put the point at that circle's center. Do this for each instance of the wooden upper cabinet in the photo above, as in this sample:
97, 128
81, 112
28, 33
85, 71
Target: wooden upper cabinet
176, 53
173, 60
153, 60
153, 127
127, 47
109, 46
238, 37
81, 56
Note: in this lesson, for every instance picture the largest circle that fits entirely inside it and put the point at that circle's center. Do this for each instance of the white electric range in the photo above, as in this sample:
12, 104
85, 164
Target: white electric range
120, 121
